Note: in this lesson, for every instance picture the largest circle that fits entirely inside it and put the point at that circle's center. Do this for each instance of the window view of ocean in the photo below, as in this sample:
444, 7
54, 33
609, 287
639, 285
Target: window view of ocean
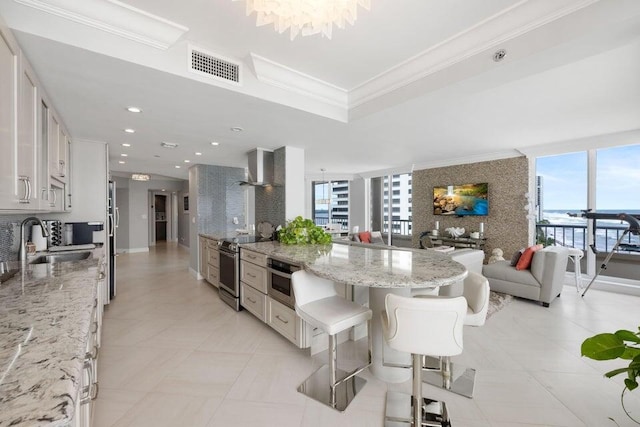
571, 231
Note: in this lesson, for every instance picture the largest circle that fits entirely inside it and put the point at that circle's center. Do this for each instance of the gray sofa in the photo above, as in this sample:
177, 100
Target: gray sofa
543, 282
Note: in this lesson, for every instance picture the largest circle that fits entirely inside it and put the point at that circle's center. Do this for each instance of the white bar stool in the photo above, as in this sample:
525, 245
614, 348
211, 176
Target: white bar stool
318, 303
576, 255
422, 326
440, 371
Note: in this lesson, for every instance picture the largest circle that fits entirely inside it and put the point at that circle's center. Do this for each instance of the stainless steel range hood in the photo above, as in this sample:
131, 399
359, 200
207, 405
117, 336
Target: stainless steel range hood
260, 168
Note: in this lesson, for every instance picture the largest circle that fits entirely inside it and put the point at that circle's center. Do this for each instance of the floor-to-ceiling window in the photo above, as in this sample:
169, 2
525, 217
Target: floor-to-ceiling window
561, 184
607, 181
396, 204
331, 203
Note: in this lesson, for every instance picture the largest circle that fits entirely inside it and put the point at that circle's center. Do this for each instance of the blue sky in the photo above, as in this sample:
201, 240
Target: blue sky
617, 179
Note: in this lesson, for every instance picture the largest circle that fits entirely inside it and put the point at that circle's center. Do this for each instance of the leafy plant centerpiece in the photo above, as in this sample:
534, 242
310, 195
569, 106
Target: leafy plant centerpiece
623, 345
302, 231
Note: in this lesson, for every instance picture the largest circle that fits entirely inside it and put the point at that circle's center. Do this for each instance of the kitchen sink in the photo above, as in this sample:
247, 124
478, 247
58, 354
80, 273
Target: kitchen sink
54, 258
7, 274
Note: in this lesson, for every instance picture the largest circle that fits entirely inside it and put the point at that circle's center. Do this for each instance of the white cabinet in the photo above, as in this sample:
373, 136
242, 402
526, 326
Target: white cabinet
27, 135
12, 190
289, 324
88, 391
253, 283
253, 275
57, 149
34, 145
209, 260
54, 143
202, 247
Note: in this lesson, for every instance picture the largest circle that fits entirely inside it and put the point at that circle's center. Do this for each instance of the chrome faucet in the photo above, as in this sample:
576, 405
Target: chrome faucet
23, 243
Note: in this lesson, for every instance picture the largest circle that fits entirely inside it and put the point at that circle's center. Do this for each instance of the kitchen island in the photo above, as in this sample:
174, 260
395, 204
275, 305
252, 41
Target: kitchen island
381, 269
46, 314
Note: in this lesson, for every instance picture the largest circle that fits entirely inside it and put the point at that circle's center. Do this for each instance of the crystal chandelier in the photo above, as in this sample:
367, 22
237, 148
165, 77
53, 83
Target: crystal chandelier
306, 17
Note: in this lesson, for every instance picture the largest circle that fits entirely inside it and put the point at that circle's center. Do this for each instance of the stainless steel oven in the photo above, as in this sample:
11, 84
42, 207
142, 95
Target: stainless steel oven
279, 281
229, 267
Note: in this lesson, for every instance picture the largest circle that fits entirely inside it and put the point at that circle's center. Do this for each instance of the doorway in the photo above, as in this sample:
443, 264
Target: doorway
160, 203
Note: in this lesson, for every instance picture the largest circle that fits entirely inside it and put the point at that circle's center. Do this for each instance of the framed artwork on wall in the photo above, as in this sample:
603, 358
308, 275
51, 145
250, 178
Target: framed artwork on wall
185, 203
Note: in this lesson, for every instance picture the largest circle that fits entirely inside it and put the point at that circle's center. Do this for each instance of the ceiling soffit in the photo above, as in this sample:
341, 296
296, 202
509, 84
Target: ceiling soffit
116, 18
277, 82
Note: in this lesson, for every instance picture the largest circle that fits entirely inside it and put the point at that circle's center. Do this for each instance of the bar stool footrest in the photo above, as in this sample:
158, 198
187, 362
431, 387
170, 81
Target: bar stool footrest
318, 387
399, 411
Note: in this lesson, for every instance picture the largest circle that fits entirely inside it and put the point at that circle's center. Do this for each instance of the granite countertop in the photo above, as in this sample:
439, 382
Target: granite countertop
377, 266
213, 236
45, 317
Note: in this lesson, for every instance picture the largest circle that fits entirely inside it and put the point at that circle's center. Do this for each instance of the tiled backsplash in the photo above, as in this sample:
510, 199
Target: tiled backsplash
9, 239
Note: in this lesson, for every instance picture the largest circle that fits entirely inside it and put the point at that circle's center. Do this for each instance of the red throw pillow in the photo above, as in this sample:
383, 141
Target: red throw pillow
365, 237
527, 256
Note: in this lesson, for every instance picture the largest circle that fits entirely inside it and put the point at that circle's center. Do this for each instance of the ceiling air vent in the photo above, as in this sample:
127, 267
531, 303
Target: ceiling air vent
211, 65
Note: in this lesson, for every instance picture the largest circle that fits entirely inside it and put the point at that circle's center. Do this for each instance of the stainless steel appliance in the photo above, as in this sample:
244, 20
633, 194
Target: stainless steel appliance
229, 267
229, 264
279, 281
113, 216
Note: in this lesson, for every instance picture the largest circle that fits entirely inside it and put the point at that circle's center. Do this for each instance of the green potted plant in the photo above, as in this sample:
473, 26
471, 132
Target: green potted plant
623, 345
300, 231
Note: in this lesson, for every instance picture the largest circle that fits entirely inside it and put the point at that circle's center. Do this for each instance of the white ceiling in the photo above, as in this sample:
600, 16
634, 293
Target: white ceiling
419, 84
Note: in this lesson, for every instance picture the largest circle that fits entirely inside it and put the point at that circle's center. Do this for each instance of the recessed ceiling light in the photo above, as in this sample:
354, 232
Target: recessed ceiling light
128, 130
134, 110
236, 129
169, 144
177, 166
122, 162
187, 161
126, 145
163, 190
123, 155
198, 154
215, 143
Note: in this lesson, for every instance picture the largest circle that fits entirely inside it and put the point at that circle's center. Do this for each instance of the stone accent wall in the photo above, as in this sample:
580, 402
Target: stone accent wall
506, 226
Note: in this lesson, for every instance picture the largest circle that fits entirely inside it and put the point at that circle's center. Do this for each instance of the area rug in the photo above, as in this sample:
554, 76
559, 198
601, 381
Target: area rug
497, 301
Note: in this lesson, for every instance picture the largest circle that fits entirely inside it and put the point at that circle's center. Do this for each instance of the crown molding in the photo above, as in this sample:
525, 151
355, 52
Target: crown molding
275, 74
115, 18
508, 24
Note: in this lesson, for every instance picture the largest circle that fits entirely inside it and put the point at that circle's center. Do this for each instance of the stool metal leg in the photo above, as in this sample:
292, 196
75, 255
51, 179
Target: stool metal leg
417, 390
333, 365
415, 410
332, 386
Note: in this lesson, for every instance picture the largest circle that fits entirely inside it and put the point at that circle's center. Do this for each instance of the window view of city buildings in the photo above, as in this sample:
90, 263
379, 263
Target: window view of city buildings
331, 203
397, 204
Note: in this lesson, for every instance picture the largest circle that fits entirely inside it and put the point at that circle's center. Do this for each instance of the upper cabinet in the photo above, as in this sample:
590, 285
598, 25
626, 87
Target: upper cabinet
14, 189
34, 164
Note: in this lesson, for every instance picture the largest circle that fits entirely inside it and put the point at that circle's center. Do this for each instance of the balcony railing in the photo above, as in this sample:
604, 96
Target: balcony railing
576, 236
400, 227
344, 224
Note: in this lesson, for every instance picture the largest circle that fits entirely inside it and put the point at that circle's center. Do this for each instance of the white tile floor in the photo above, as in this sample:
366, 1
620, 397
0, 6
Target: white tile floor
174, 355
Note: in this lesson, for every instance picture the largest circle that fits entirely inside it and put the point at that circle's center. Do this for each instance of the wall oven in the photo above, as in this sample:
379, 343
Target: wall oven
279, 281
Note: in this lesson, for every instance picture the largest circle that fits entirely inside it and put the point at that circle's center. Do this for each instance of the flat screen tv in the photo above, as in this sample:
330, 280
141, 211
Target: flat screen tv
461, 200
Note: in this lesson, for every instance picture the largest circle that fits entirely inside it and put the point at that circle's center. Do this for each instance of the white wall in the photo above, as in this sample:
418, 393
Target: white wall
137, 214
